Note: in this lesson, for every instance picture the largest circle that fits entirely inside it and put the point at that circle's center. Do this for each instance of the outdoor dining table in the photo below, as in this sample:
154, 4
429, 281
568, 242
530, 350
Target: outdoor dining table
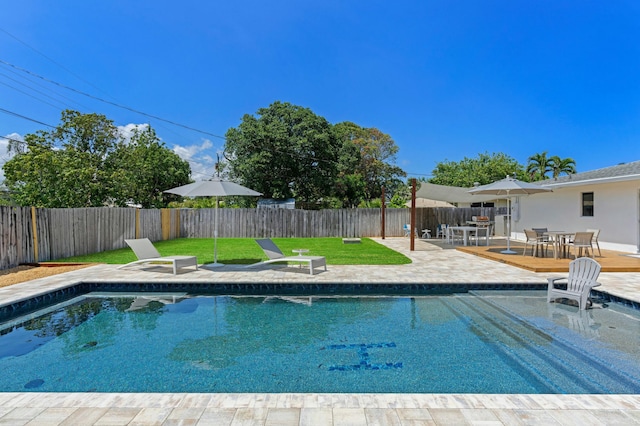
559, 242
466, 230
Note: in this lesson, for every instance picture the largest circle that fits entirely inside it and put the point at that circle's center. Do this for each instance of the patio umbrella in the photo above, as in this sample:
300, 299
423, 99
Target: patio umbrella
215, 187
508, 188
427, 202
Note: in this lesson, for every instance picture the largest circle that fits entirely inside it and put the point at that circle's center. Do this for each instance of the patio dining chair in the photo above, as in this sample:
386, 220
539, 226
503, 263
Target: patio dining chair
535, 241
581, 241
541, 233
594, 240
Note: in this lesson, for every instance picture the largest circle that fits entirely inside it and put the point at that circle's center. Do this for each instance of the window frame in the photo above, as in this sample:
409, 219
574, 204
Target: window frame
587, 205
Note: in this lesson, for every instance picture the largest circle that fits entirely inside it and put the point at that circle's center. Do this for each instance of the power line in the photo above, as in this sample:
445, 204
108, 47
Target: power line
51, 60
41, 85
30, 95
112, 103
25, 117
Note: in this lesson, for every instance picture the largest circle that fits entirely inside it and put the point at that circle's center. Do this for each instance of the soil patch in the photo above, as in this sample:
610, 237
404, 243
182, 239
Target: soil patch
27, 273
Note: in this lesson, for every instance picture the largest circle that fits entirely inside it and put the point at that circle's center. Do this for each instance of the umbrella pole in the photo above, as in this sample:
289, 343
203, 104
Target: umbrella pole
215, 238
508, 250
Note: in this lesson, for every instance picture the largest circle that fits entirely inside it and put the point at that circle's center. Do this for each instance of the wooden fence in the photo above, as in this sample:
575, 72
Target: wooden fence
30, 235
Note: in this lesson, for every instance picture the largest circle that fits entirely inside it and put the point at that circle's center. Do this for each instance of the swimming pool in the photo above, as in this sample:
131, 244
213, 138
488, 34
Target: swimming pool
475, 342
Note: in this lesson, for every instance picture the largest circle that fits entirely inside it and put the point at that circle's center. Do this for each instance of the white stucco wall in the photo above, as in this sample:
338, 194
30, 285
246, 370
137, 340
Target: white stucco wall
616, 213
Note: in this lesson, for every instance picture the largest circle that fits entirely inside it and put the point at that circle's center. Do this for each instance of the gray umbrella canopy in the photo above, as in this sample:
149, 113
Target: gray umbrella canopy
509, 187
215, 187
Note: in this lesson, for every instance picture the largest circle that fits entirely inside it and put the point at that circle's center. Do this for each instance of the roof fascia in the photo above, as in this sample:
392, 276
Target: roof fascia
596, 181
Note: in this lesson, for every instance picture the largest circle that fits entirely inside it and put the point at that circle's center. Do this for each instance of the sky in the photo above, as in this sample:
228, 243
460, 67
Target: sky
445, 79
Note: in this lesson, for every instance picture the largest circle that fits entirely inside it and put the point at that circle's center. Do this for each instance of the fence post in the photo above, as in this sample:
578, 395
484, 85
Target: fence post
165, 221
137, 224
34, 231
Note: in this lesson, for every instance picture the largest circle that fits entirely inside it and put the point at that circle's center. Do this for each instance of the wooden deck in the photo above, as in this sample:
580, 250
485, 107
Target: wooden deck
611, 261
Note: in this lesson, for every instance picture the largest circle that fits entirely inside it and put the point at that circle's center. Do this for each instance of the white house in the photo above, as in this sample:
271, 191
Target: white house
607, 199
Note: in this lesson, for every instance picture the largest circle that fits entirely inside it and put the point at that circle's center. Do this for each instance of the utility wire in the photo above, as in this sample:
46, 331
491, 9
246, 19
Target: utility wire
112, 103
65, 69
30, 95
25, 118
41, 85
51, 60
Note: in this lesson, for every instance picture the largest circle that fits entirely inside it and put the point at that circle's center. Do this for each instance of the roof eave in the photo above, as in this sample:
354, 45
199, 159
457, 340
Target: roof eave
595, 181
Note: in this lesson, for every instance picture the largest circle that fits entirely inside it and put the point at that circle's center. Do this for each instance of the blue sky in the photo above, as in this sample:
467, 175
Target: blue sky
445, 79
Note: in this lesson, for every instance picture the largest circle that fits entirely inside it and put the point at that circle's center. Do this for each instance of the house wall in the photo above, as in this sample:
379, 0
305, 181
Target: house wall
616, 213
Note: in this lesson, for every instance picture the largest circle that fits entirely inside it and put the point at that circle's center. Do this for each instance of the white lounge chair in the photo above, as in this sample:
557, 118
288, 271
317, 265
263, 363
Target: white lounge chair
147, 253
275, 255
583, 273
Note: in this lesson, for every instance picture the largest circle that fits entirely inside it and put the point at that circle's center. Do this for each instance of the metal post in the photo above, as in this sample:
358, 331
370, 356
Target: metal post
382, 211
412, 232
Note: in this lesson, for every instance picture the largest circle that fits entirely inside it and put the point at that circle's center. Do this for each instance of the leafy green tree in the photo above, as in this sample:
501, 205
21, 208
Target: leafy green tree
64, 167
484, 169
84, 163
285, 151
562, 165
143, 168
538, 166
366, 163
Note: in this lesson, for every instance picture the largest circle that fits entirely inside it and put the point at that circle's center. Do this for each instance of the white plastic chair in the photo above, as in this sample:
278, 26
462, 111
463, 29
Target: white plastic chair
583, 273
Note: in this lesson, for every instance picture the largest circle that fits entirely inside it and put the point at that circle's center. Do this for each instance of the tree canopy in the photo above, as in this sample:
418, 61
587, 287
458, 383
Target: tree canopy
85, 162
288, 151
540, 165
366, 164
484, 169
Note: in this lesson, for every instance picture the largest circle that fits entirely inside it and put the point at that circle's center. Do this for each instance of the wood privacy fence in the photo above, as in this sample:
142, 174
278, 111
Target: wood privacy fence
30, 235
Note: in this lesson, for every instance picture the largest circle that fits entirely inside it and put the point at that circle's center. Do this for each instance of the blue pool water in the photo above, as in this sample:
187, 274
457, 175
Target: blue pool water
477, 342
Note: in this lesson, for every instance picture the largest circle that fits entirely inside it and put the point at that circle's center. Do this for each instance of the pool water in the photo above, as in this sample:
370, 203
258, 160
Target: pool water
476, 342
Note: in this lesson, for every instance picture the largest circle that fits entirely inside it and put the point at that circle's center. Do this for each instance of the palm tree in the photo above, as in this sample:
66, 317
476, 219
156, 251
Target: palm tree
538, 166
562, 165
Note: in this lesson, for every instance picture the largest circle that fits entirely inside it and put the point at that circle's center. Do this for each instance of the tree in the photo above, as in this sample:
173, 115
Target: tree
562, 165
286, 151
85, 163
143, 168
538, 165
366, 163
484, 169
64, 167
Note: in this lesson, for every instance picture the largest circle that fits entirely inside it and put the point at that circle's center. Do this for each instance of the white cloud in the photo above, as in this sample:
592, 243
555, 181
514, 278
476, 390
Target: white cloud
201, 158
127, 131
4, 153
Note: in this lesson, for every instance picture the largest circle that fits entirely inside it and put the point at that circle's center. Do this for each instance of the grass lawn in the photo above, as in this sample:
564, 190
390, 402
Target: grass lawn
246, 251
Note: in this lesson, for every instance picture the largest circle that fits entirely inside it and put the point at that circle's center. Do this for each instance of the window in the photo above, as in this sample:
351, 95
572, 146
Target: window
587, 204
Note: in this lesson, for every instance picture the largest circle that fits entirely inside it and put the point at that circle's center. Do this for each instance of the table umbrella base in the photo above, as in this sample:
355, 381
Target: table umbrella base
508, 252
212, 265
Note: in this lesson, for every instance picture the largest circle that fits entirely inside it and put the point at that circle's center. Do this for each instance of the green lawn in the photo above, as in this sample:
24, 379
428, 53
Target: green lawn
246, 251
